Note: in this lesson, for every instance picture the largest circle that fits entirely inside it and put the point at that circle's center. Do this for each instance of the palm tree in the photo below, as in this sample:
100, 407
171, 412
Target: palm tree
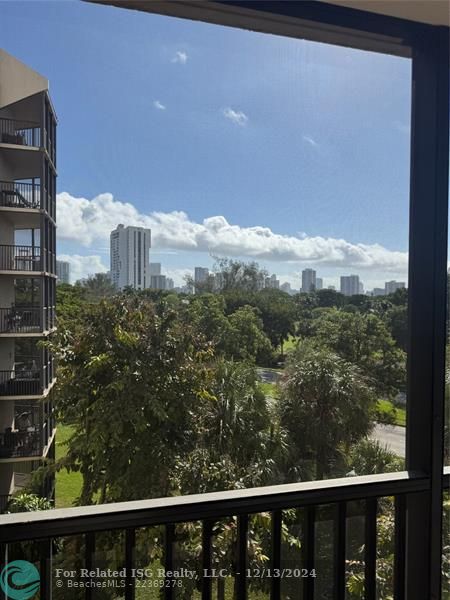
326, 406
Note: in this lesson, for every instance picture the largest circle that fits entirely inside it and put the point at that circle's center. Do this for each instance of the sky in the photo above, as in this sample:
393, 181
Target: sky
224, 142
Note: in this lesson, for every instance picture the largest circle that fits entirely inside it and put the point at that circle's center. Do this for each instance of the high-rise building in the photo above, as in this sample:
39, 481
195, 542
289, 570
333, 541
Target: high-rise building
169, 283
158, 282
201, 274
308, 280
319, 283
28, 276
286, 287
392, 286
350, 285
63, 271
130, 247
378, 292
272, 282
154, 269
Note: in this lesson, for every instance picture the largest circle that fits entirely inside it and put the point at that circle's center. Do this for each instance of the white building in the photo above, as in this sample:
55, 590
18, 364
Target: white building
308, 280
272, 282
201, 274
155, 269
286, 287
63, 271
158, 282
350, 285
392, 286
130, 248
378, 292
319, 283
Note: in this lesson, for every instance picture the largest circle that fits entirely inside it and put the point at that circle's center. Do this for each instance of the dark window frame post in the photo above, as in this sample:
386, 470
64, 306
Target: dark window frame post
427, 309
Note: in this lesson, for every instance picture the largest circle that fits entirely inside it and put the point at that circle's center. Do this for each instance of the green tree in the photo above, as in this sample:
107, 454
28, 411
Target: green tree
364, 339
326, 406
130, 382
97, 286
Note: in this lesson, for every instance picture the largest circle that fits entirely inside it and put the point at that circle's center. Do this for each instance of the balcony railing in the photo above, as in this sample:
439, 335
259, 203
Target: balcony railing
22, 133
20, 320
18, 194
210, 511
4, 499
15, 444
20, 258
21, 382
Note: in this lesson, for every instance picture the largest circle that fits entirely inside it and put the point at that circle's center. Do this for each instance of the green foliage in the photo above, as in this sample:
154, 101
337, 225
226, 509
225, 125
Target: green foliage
326, 406
364, 340
97, 286
26, 502
131, 378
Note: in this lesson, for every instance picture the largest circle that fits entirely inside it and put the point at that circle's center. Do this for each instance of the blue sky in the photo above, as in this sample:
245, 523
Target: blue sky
302, 148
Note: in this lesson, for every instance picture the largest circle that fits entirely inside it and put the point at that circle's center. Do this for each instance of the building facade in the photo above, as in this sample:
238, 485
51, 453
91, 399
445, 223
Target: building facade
63, 271
129, 255
392, 286
308, 280
201, 274
350, 285
28, 276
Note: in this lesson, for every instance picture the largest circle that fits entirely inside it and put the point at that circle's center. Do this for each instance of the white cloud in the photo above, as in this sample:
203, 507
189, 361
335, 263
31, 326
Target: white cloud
159, 105
309, 140
180, 57
89, 222
236, 116
83, 266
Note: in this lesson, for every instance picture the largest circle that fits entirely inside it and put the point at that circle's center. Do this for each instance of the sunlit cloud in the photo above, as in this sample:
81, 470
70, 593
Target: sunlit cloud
235, 116
309, 140
159, 105
180, 57
89, 222
83, 266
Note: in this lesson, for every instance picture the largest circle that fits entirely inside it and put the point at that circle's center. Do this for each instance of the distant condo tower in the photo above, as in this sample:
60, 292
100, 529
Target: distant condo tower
129, 252
350, 285
308, 280
63, 271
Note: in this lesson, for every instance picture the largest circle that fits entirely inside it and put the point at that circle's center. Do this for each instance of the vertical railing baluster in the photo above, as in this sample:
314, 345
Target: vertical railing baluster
207, 527
130, 536
309, 551
168, 559
275, 590
241, 562
340, 523
370, 549
89, 551
45, 569
400, 548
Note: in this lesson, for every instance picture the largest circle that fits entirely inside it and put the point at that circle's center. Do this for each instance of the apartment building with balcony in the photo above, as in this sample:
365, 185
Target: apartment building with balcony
27, 274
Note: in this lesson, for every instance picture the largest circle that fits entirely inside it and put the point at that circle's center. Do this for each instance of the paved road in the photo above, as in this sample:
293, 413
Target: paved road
391, 436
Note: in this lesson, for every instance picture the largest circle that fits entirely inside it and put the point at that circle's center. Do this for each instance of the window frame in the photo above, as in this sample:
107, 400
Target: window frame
428, 48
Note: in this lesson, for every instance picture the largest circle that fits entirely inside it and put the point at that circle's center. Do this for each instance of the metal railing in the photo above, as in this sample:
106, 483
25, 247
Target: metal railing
4, 500
211, 509
21, 382
15, 444
20, 319
22, 133
18, 194
20, 258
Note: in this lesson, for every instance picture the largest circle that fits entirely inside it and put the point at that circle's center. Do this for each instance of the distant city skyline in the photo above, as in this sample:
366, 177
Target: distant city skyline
253, 146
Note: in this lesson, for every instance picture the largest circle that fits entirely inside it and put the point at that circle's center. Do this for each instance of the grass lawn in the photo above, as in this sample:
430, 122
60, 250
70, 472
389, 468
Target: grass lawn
68, 485
269, 389
386, 406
